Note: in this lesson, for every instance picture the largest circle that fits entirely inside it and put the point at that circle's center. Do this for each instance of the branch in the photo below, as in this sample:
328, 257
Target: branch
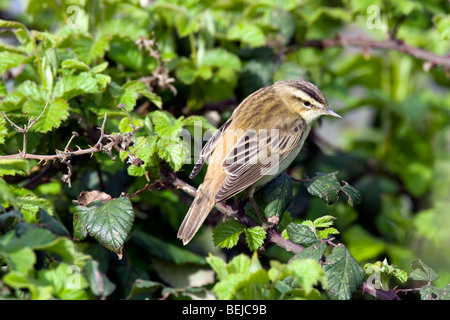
272, 236
120, 141
391, 44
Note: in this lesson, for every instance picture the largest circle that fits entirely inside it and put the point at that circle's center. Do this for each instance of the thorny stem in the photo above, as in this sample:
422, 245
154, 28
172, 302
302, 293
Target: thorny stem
122, 141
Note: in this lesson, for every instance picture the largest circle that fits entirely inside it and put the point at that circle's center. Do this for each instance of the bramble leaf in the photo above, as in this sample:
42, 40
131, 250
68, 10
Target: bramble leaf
343, 272
226, 234
109, 222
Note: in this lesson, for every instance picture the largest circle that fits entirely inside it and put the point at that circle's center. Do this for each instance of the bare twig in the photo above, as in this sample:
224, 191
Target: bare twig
391, 44
122, 141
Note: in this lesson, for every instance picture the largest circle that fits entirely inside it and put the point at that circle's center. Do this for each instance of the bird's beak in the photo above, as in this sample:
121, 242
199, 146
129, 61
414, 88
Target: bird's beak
330, 112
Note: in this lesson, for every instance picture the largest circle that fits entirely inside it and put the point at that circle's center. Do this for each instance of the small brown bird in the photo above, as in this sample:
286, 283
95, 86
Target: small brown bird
262, 137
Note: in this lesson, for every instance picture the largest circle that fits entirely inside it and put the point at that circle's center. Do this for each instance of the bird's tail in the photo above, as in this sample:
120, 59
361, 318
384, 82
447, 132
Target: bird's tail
201, 206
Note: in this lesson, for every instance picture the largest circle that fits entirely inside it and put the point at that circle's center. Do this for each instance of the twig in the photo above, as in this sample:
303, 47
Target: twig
25, 130
390, 44
272, 235
122, 141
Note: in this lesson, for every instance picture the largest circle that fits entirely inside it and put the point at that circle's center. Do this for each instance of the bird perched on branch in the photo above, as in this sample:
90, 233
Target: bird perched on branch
262, 137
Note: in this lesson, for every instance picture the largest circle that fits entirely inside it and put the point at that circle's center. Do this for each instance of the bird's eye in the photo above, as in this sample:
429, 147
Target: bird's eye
307, 104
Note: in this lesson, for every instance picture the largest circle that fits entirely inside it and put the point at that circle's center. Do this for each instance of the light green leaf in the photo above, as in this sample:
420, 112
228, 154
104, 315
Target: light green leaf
89, 49
254, 237
74, 64
172, 151
75, 85
56, 112
12, 167
109, 222
307, 273
226, 234
10, 60
247, 33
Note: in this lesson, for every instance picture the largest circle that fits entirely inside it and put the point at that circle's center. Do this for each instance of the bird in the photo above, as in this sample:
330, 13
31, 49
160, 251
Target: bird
259, 141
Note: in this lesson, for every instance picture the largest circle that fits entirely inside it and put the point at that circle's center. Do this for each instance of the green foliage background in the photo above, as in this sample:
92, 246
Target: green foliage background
85, 58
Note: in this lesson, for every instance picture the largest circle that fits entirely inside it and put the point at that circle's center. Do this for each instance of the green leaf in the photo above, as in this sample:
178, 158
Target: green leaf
430, 292
18, 257
313, 252
276, 196
132, 90
109, 222
173, 152
226, 234
56, 112
422, 272
254, 237
354, 196
71, 86
10, 60
343, 272
218, 265
307, 273
90, 49
74, 64
327, 187
165, 124
220, 58
301, 234
324, 186
247, 33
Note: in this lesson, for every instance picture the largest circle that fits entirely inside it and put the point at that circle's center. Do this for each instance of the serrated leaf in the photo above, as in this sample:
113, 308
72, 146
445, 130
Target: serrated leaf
301, 234
343, 272
307, 273
89, 49
430, 292
56, 112
324, 186
74, 64
276, 196
354, 196
254, 237
109, 222
226, 234
314, 252
165, 124
172, 151
324, 221
71, 86
10, 60
422, 272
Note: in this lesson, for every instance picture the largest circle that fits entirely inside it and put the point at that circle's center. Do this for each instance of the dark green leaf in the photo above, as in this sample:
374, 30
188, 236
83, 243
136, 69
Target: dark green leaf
314, 252
301, 234
324, 186
343, 272
109, 222
276, 196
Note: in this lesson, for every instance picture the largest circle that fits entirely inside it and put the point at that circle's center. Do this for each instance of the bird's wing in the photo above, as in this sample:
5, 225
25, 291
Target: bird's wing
256, 155
208, 148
